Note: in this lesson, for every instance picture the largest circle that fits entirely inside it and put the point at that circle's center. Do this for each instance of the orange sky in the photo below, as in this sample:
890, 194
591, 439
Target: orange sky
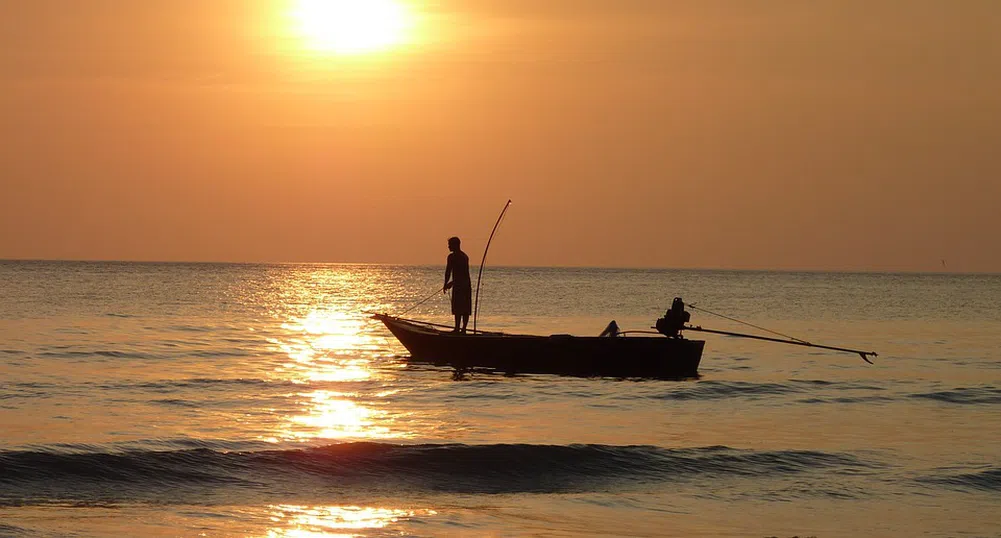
840, 134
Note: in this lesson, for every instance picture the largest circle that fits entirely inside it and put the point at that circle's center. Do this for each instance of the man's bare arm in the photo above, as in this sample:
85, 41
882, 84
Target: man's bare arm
448, 273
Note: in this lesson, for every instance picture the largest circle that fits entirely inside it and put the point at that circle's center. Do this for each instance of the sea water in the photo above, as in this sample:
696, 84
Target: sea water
262, 401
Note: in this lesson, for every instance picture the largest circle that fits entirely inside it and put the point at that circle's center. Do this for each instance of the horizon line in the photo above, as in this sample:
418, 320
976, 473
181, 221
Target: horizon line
506, 266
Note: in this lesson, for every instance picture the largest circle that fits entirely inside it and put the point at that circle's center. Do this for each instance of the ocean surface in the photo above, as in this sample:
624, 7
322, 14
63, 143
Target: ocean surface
262, 401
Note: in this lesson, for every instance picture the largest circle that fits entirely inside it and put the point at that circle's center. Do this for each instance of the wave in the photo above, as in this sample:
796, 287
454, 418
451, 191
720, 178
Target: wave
69, 473
9, 391
166, 392
12, 531
199, 382
709, 390
115, 354
35, 391
848, 400
964, 395
986, 480
103, 353
821, 392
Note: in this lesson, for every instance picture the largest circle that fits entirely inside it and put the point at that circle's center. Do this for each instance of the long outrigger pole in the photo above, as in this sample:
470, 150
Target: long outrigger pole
476, 309
864, 354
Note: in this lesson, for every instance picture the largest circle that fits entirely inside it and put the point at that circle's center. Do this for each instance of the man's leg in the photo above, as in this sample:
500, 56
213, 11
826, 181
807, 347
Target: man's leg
457, 317
465, 321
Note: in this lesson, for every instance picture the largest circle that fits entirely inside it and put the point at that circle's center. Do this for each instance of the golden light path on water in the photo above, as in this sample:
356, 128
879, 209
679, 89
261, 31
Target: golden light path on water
336, 358
335, 521
333, 354
324, 353
330, 347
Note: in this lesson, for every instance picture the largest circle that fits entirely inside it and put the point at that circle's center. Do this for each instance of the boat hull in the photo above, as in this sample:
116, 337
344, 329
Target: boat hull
585, 356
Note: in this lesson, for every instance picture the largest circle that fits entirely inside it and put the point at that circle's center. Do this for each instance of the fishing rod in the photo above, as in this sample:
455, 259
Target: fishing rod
864, 354
476, 309
760, 328
426, 299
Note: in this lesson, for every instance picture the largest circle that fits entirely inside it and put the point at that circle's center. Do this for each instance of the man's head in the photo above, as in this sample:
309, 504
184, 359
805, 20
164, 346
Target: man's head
453, 244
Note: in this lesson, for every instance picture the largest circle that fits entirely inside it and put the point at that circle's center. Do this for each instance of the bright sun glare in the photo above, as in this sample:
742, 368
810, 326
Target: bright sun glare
351, 26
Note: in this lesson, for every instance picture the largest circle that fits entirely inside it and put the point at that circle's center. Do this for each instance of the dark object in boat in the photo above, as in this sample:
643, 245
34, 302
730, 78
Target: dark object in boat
611, 330
674, 320
561, 354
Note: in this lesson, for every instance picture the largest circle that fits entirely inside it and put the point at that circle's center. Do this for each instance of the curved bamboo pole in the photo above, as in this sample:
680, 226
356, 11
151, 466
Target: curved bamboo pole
476, 309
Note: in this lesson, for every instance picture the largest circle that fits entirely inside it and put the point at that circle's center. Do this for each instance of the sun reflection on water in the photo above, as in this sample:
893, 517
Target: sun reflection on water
333, 352
330, 521
333, 416
327, 346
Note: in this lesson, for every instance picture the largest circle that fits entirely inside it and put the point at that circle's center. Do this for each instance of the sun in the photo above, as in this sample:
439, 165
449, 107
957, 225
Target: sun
351, 26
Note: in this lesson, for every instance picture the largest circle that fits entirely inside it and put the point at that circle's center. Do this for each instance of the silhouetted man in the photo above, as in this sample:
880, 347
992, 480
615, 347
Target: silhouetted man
462, 289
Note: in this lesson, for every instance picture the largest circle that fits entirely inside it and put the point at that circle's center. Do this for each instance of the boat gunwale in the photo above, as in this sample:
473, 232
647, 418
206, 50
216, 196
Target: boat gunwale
429, 328
432, 329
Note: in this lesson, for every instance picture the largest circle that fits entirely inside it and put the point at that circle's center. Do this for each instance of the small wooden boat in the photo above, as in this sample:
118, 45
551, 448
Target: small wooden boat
561, 354
664, 354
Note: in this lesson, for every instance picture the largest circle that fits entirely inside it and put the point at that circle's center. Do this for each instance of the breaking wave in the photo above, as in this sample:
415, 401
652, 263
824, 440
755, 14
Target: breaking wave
501, 468
986, 480
964, 395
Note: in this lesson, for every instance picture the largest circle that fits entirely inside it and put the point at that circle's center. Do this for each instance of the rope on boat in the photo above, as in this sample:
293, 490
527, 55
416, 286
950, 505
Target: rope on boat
426, 299
793, 338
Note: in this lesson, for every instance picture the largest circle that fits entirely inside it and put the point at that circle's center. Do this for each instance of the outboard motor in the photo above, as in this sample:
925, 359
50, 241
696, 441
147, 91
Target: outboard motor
674, 320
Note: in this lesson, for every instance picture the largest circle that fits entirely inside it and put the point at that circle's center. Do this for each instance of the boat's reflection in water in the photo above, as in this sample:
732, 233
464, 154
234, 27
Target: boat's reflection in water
336, 521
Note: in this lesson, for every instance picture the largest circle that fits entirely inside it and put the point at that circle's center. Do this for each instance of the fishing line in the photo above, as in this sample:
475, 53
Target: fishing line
693, 307
426, 299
